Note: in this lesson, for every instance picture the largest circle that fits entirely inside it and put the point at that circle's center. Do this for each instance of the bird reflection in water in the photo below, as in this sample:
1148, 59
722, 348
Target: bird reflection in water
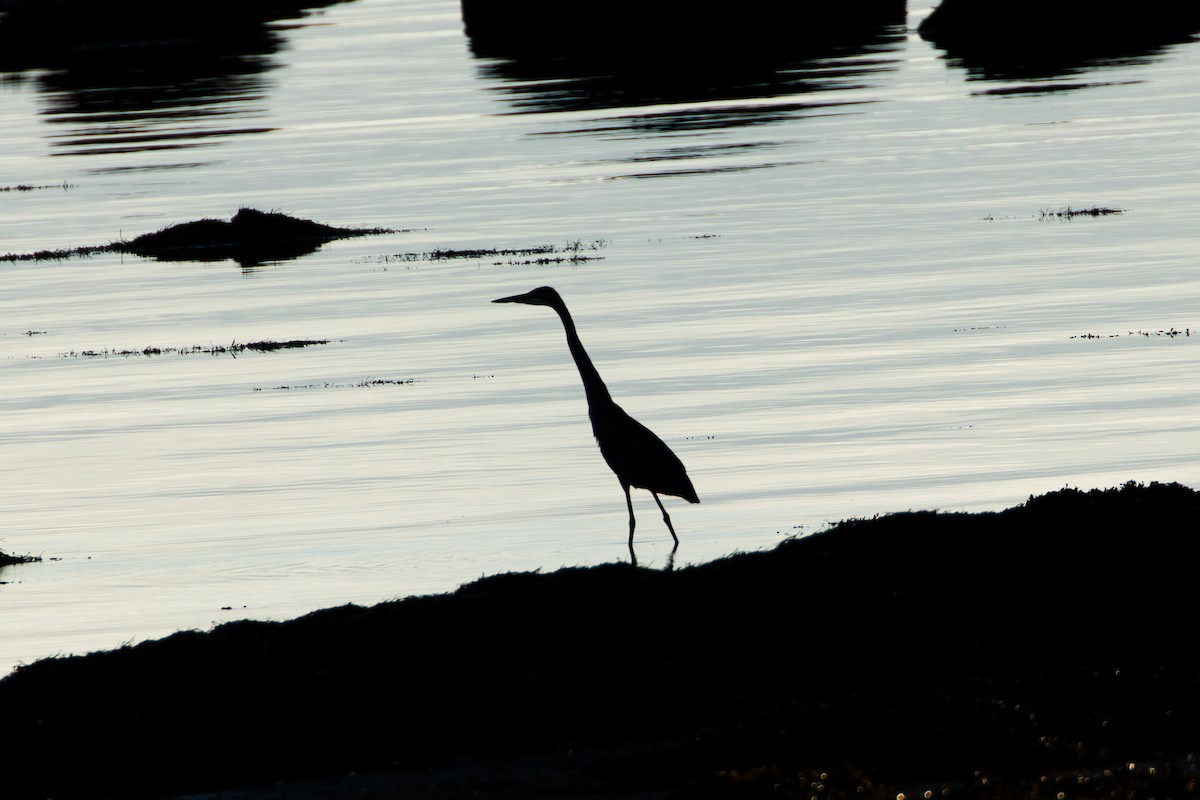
638, 457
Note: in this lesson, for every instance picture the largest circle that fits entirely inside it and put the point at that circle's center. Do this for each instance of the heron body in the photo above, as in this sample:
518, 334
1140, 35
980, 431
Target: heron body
638, 457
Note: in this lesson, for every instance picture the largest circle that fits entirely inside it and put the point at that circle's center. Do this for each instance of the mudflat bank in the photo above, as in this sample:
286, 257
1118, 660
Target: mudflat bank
1047, 648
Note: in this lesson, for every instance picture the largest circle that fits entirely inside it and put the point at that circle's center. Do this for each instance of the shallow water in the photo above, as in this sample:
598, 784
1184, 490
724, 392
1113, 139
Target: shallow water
834, 294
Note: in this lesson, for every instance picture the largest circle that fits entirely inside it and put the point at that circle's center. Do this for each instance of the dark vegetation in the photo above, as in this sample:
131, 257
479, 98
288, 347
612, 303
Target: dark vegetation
233, 349
1041, 650
365, 383
538, 254
8, 559
1170, 333
31, 187
251, 238
1069, 213
1066, 214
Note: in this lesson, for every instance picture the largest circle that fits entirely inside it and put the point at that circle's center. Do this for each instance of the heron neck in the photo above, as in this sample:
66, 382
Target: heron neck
593, 386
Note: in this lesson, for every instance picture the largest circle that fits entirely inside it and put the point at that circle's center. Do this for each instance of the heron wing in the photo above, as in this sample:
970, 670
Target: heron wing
638, 456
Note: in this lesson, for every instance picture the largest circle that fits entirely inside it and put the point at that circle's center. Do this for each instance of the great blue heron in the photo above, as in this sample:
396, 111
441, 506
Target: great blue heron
635, 454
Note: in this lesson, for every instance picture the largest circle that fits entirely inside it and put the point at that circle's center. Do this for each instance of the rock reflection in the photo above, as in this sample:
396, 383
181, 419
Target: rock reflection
705, 78
144, 75
1040, 42
649, 99
987, 61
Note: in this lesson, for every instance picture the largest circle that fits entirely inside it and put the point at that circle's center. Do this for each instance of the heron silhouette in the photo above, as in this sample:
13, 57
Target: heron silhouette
638, 457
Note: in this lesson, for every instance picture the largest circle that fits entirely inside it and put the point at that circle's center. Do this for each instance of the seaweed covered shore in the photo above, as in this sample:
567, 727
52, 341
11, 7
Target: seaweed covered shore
1048, 650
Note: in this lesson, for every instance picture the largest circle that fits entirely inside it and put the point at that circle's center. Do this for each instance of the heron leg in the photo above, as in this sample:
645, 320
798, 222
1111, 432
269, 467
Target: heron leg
666, 518
632, 522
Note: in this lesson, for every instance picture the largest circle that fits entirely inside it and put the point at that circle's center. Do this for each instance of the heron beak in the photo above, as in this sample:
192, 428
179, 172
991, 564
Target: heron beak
516, 298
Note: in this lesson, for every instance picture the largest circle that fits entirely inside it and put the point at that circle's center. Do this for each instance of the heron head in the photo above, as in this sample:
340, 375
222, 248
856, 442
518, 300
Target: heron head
541, 296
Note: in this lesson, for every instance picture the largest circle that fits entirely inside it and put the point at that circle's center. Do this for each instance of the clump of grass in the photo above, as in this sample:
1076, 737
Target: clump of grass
569, 253
1170, 333
1069, 213
233, 348
84, 251
8, 559
1065, 214
491, 252
267, 346
369, 382
31, 187
366, 383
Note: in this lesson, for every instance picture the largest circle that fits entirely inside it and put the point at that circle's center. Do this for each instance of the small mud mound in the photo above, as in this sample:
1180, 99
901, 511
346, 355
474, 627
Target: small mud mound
251, 238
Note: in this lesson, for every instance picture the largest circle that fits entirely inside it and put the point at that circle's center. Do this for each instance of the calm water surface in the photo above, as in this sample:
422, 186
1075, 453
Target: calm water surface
833, 292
